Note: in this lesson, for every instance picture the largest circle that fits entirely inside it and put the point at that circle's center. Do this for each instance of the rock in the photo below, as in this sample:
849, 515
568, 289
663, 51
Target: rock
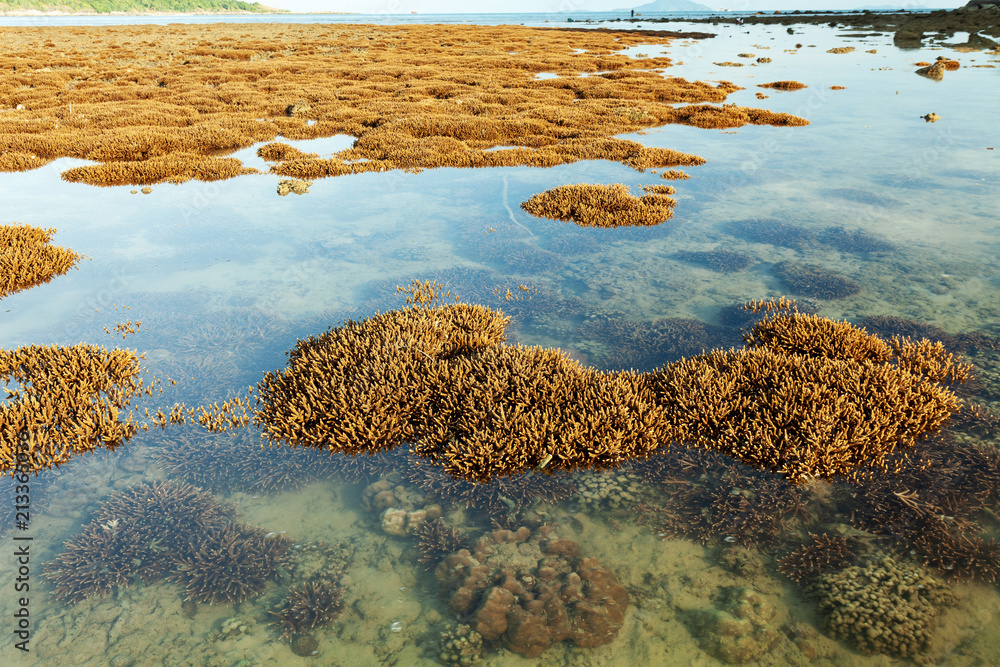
146, 190
287, 185
299, 108
935, 71
931, 118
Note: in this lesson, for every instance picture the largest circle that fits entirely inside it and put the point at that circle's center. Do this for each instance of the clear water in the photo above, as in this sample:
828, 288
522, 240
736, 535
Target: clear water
225, 276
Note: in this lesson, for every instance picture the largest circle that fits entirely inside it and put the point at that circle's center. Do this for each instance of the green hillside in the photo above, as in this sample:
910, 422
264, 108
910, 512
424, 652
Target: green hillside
135, 6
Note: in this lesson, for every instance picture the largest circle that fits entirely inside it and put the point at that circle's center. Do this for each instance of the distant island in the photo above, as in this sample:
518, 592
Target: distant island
660, 6
13, 7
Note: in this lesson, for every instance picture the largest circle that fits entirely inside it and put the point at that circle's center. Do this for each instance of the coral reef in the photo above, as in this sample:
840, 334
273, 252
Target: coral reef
607, 490
531, 590
230, 563
311, 605
883, 607
416, 97
741, 631
709, 498
436, 539
806, 397
239, 461
855, 240
814, 281
645, 345
725, 261
461, 646
27, 258
605, 206
85, 389
822, 555
771, 231
135, 535
783, 85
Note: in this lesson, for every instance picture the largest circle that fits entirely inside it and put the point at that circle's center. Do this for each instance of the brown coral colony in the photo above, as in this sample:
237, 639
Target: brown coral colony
27, 259
806, 397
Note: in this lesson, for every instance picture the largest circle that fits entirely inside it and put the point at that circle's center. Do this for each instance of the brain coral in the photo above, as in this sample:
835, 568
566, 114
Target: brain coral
530, 591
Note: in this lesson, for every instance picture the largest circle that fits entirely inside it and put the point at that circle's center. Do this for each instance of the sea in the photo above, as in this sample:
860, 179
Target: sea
226, 277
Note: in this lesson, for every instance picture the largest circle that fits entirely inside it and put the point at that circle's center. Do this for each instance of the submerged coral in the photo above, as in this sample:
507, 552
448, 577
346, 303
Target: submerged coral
311, 605
645, 345
230, 563
136, 535
531, 590
883, 607
822, 555
741, 631
771, 231
225, 462
726, 261
814, 281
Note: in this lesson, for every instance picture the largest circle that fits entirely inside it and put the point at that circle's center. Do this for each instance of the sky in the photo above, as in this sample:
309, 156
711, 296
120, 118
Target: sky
569, 6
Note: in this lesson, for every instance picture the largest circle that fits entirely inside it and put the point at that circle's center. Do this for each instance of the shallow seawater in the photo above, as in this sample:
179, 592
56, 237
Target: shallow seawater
225, 277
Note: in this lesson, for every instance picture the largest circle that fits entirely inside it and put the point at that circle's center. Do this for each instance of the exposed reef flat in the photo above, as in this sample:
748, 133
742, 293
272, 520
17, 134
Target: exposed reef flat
152, 104
908, 27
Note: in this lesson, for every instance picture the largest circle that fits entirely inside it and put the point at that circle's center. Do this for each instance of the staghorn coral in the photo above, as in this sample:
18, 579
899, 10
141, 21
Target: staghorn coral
822, 555
27, 259
774, 232
174, 168
311, 605
783, 85
385, 358
883, 607
708, 497
725, 261
814, 281
227, 462
93, 563
605, 206
84, 389
531, 590
416, 97
645, 345
436, 539
855, 240
135, 535
931, 507
231, 563
807, 397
